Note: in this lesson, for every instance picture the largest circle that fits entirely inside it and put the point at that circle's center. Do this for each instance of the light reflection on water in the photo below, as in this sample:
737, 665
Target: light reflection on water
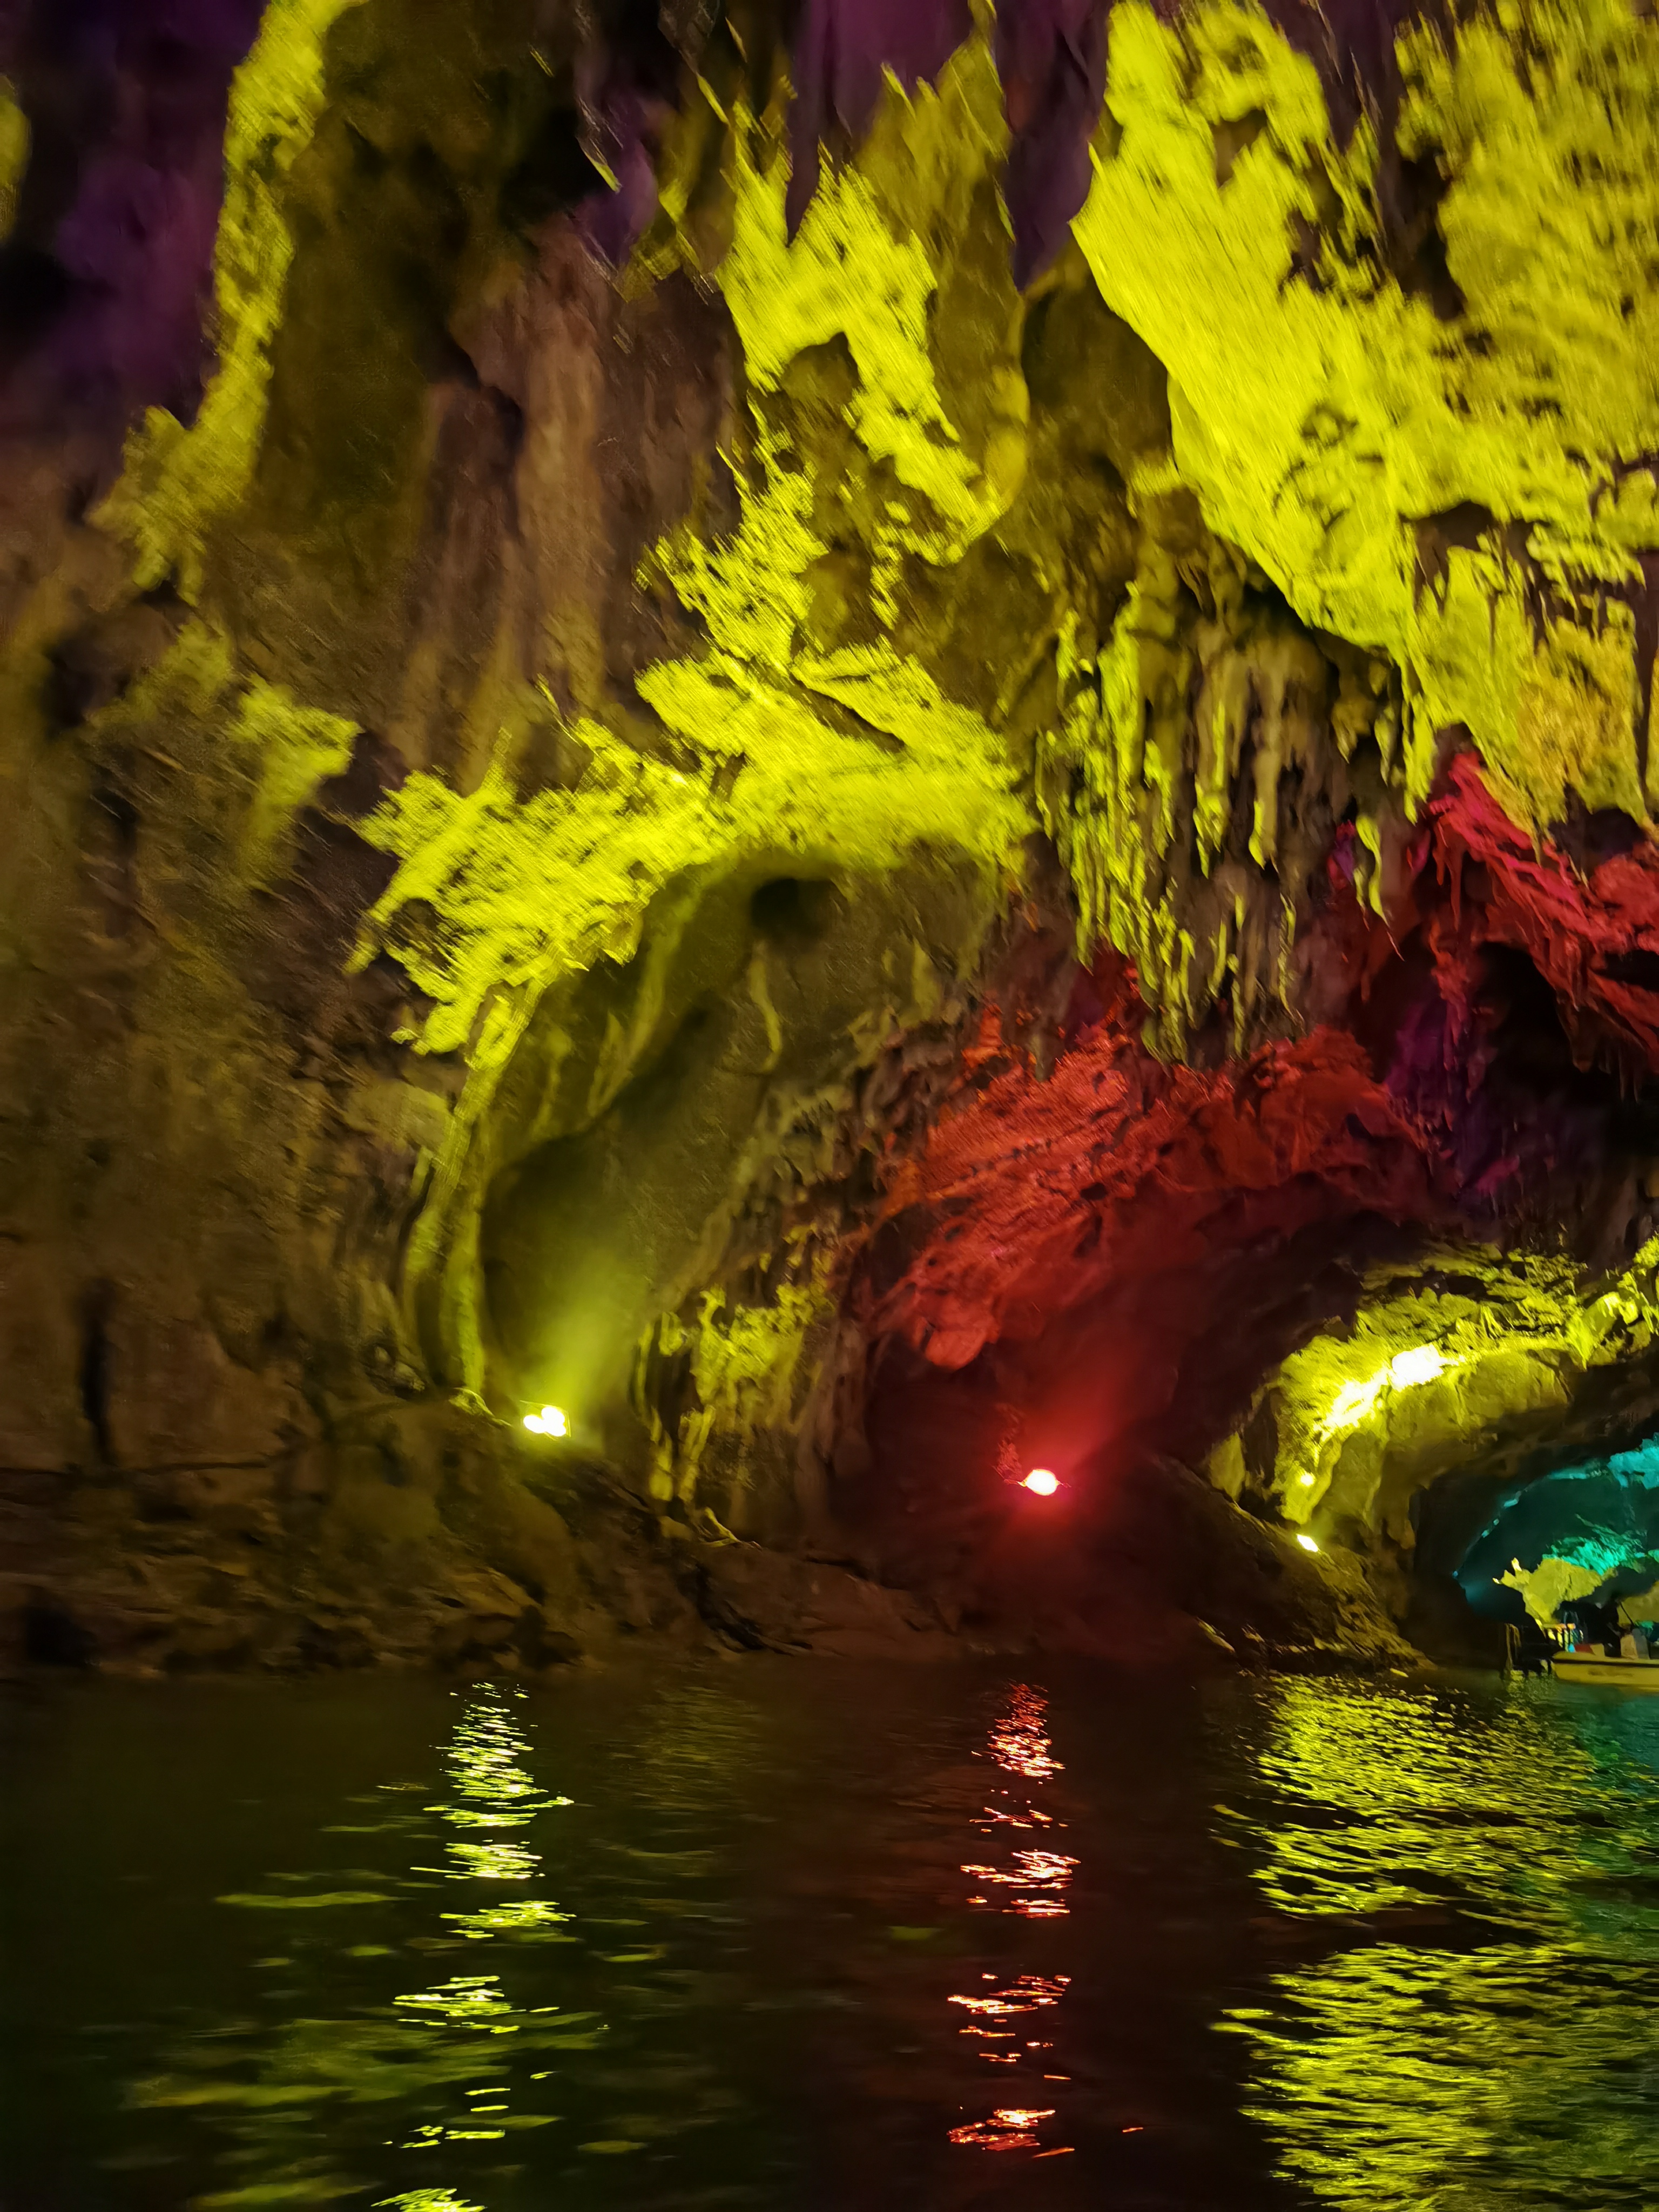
1496, 2041
1035, 1882
771, 1936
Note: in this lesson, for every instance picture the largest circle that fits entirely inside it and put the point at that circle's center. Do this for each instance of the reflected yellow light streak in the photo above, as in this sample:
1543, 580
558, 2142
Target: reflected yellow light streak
519, 1916
1465, 1861
428, 2200
474, 2001
448, 2053
492, 1795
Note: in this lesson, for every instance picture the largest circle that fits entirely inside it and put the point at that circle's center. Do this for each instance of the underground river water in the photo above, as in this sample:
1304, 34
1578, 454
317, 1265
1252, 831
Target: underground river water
790, 1935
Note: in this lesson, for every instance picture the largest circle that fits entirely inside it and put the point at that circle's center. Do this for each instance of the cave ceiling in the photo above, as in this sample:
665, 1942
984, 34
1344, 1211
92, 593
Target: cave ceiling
699, 706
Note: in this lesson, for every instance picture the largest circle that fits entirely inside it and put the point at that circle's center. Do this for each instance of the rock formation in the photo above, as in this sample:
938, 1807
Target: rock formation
868, 741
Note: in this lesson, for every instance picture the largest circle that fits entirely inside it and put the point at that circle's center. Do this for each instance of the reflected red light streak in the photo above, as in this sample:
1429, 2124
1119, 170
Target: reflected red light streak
1029, 1993
1043, 1871
1011, 2128
1037, 1878
1020, 1742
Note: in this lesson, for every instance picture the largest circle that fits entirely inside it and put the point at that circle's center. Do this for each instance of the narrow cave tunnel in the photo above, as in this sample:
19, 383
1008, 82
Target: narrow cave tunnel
829, 1252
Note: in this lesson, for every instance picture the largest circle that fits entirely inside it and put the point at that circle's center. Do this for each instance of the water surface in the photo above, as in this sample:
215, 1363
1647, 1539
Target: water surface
786, 1936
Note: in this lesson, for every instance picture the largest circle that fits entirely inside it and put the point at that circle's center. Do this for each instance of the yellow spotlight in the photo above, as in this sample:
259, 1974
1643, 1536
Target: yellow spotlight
1306, 1480
535, 1424
554, 1422
1307, 1543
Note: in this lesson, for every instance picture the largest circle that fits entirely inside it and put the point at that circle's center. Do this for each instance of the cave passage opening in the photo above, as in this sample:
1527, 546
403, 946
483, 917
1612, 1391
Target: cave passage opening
1579, 1540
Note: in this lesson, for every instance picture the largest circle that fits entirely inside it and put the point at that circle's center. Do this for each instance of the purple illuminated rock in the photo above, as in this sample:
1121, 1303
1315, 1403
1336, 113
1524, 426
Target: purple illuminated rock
624, 123
844, 49
1051, 55
108, 272
1351, 43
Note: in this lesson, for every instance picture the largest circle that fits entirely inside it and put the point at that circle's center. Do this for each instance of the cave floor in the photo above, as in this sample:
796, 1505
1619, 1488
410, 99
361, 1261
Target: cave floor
772, 1933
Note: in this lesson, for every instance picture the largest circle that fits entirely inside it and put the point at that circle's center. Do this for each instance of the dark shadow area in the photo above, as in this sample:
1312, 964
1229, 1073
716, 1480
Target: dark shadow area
1133, 1555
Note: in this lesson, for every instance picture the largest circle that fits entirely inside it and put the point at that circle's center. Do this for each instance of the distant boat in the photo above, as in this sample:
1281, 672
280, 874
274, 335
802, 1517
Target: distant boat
1621, 1673
1552, 1649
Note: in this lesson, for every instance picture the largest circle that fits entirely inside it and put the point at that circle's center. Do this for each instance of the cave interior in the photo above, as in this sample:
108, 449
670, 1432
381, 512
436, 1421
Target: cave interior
874, 746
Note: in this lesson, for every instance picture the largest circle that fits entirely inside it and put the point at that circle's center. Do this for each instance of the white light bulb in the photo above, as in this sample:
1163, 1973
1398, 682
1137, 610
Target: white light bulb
1307, 1543
554, 1422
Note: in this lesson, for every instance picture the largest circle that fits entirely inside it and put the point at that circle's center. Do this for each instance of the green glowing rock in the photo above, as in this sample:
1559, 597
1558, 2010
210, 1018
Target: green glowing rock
1322, 410
1553, 1584
282, 750
1110, 782
1591, 1525
747, 1362
178, 480
866, 267
1272, 587
14, 156
1429, 1373
529, 892
887, 416
844, 758
292, 749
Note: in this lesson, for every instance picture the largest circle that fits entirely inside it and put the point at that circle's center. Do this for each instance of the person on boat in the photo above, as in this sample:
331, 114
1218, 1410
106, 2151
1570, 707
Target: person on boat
1633, 1644
1597, 1627
1581, 1618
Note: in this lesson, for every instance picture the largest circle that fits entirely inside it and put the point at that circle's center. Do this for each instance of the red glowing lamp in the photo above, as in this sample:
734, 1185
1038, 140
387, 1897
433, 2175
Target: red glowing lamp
1042, 1481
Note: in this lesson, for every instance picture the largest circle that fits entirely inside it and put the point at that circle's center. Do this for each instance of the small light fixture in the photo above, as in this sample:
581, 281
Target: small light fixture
1306, 1480
1307, 1543
1042, 1481
549, 1422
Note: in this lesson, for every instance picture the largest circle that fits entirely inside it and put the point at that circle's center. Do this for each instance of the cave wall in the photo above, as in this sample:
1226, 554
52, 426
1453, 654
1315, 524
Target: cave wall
662, 768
